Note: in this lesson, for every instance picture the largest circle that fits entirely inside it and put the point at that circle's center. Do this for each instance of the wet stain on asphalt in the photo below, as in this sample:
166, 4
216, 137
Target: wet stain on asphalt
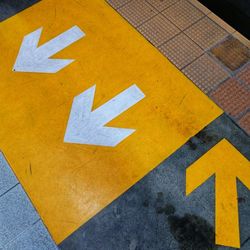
202, 137
168, 209
241, 200
192, 232
205, 137
192, 145
146, 203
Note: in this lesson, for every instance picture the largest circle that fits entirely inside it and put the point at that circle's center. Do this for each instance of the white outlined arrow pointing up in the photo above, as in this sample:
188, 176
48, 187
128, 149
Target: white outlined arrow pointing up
88, 127
32, 58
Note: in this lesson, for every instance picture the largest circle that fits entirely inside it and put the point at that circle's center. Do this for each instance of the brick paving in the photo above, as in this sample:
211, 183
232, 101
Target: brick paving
206, 33
205, 48
244, 122
232, 53
158, 30
183, 14
233, 97
137, 12
181, 50
244, 75
206, 73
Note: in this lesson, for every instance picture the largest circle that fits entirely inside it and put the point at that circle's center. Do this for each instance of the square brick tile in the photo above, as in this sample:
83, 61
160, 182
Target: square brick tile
206, 73
242, 38
158, 30
244, 122
137, 12
232, 96
206, 33
221, 23
200, 6
181, 50
160, 5
244, 75
232, 53
183, 14
117, 3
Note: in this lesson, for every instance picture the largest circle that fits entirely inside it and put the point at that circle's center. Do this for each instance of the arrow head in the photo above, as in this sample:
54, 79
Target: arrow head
32, 58
226, 163
87, 127
25, 57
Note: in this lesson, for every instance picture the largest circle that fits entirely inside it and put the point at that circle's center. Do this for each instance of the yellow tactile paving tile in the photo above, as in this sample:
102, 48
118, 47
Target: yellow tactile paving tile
69, 183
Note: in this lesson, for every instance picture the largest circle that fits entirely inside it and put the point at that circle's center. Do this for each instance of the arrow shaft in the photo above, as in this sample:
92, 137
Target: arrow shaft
226, 207
226, 170
59, 43
117, 105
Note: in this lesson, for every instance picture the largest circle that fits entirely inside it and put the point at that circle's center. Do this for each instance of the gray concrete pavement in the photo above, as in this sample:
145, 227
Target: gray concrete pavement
156, 214
20, 225
9, 8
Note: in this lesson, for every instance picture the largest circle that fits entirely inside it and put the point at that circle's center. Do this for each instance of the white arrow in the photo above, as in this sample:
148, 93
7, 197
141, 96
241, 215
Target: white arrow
87, 127
32, 58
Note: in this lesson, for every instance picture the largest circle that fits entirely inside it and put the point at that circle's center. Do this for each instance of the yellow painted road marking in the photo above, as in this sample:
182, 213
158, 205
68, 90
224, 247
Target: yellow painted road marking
227, 163
70, 183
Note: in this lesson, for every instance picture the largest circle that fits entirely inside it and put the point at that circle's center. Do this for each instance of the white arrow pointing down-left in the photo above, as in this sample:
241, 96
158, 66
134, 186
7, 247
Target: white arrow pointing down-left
88, 127
32, 58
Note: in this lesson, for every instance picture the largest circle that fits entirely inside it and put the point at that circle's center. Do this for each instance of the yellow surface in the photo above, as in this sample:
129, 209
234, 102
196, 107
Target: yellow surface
70, 183
226, 163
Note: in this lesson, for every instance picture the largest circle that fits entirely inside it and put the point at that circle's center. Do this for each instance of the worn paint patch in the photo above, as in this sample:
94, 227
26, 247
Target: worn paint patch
192, 232
70, 183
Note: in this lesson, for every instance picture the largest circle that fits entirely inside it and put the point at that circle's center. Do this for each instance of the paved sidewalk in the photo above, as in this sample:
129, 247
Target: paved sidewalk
206, 49
21, 226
